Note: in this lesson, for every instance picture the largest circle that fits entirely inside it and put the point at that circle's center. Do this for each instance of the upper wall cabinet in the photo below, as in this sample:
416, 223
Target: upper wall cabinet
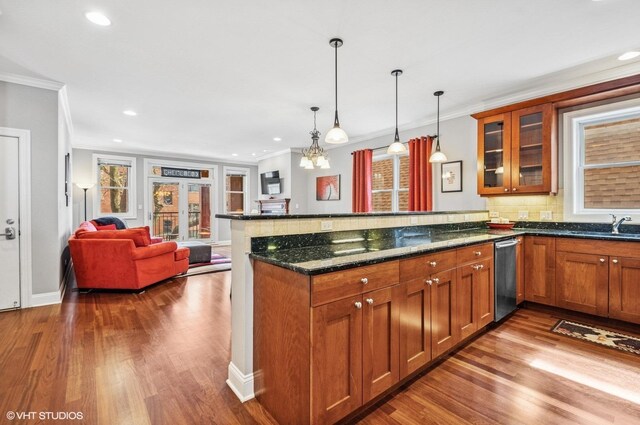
517, 152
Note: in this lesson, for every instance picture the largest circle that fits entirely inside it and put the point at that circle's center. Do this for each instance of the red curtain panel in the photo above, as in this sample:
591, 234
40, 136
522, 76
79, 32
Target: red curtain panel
420, 175
362, 180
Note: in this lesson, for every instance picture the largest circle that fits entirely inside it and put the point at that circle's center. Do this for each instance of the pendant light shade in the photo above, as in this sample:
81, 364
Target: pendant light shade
397, 147
336, 135
314, 156
437, 155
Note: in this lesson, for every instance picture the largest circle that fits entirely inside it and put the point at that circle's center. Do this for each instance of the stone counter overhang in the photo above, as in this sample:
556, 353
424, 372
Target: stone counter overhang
313, 254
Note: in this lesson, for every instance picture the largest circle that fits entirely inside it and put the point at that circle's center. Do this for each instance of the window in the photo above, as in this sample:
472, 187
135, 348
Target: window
602, 161
115, 191
235, 188
390, 186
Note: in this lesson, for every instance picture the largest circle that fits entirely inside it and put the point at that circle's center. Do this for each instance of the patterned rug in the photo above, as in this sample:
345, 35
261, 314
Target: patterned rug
219, 263
599, 336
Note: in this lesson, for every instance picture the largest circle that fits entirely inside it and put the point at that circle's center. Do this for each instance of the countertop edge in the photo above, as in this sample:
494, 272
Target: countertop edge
341, 215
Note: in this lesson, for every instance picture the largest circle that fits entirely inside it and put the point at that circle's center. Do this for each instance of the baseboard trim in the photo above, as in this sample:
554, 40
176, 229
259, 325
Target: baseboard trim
47, 298
240, 384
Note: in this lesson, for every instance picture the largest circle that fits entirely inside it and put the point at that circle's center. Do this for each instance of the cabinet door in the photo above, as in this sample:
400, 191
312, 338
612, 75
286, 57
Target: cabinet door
444, 327
415, 325
494, 155
475, 296
539, 275
336, 374
531, 145
483, 296
624, 289
465, 311
582, 282
380, 345
520, 270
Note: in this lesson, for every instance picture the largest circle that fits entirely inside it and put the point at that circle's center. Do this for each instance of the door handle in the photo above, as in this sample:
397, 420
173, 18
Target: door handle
9, 233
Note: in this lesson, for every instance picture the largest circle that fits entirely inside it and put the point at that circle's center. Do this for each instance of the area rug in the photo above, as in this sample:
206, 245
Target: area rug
219, 263
599, 336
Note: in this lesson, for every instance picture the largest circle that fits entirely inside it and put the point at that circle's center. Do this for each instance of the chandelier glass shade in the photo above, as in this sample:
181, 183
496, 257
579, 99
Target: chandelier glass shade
314, 156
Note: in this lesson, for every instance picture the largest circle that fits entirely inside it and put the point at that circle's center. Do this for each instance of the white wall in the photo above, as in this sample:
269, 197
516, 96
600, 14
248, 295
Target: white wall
83, 171
458, 142
36, 110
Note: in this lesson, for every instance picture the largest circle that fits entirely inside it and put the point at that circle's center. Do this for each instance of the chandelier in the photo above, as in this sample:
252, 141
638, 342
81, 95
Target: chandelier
314, 155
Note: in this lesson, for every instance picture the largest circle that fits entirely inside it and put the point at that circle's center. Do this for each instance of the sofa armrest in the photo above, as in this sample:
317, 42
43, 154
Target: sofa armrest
154, 250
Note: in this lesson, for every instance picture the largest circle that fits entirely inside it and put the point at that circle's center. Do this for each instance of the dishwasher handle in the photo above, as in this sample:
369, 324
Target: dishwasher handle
506, 244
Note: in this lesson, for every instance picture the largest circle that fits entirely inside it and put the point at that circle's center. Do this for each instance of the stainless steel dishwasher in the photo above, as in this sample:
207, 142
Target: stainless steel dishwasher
505, 278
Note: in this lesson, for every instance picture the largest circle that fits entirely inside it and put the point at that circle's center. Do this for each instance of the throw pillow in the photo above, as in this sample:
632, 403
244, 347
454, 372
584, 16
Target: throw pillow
107, 227
86, 226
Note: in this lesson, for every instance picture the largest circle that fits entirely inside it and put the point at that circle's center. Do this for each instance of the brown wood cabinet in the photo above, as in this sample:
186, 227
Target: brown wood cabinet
517, 152
624, 288
582, 282
445, 331
520, 270
539, 274
475, 289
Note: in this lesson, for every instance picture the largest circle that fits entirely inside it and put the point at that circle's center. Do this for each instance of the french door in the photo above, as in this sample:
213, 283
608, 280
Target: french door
180, 209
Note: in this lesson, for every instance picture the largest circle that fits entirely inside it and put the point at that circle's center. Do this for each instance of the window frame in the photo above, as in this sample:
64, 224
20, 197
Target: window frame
246, 172
573, 124
395, 189
131, 213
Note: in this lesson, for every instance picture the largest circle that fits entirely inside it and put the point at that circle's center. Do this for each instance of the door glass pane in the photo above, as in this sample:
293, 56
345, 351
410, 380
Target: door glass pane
530, 128
199, 211
165, 210
493, 154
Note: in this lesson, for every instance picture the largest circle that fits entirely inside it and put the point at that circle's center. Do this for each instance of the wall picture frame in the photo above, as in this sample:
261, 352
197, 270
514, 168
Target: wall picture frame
328, 188
451, 173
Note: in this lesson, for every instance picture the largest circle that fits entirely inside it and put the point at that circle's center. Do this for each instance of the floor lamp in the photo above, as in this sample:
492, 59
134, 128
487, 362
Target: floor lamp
85, 187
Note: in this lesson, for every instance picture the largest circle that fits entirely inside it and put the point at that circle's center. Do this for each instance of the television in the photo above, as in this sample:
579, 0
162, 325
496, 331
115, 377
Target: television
270, 183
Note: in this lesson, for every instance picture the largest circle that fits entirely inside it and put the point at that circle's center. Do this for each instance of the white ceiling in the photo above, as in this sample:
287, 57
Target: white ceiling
212, 78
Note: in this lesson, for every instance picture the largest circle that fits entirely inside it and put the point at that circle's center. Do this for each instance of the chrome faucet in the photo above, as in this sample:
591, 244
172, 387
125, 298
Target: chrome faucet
615, 223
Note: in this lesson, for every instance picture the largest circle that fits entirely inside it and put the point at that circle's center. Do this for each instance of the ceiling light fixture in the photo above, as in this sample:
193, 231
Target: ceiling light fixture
234, 154
628, 55
396, 147
437, 155
98, 19
277, 139
130, 113
336, 135
314, 156
117, 140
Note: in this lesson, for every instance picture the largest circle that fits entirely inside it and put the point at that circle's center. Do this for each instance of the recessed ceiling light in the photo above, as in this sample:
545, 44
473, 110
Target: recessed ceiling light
628, 55
234, 154
98, 19
277, 139
265, 150
130, 113
253, 154
117, 140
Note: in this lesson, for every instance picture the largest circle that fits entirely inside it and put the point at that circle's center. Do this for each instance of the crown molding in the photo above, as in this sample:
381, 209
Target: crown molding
31, 81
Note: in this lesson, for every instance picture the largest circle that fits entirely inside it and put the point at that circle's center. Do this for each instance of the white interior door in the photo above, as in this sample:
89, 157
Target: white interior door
9, 231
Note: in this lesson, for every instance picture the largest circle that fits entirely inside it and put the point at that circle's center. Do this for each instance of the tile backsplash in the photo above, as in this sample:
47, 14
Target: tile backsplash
537, 207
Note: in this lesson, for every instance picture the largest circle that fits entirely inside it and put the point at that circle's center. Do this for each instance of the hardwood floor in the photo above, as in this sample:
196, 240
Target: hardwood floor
161, 357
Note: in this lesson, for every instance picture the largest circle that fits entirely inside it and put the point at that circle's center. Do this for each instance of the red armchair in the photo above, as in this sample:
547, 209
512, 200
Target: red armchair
124, 259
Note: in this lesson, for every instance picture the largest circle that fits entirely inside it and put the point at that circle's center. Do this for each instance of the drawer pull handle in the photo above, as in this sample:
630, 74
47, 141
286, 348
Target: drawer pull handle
436, 280
369, 301
364, 280
477, 253
358, 305
615, 261
515, 189
433, 263
429, 281
478, 267
602, 260
506, 189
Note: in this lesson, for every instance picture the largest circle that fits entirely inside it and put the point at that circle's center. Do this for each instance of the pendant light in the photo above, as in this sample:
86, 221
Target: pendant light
336, 135
314, 156
437, 155
396, 147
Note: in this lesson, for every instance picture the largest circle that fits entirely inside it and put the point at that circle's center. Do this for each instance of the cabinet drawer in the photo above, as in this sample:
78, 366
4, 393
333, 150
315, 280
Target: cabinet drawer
345, 283
474, 253
425, 265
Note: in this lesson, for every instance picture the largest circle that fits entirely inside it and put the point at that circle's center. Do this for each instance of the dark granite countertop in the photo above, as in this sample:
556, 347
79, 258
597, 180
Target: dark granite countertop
359, 251
338, 215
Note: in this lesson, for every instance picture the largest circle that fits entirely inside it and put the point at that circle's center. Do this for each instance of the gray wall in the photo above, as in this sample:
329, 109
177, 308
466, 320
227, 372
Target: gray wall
458, 142
83, 169
294, 179
36, 110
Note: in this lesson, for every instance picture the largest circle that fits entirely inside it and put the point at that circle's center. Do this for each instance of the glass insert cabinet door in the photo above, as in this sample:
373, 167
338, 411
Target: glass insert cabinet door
531, 149
494, 155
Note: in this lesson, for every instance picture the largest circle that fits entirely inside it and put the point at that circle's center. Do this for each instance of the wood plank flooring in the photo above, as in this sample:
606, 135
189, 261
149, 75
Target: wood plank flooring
161, 357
